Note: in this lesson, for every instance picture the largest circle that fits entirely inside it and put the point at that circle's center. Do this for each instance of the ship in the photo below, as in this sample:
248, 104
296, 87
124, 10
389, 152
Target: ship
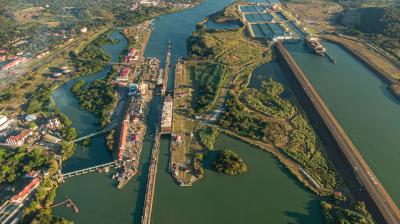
314, 44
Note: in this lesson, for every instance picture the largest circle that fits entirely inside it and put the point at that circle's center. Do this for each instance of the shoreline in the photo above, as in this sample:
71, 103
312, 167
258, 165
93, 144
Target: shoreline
379, 72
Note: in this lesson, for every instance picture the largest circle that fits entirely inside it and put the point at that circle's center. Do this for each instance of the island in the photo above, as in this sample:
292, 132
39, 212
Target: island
228, 162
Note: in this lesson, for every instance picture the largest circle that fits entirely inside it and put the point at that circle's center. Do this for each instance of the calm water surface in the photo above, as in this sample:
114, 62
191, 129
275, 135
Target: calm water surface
267, 193
362, 104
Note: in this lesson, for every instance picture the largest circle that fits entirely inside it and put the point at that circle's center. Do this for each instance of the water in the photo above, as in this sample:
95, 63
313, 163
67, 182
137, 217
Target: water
258, 17
265, 194
251, 8
226, 25
279, 198
362, 104
96, 196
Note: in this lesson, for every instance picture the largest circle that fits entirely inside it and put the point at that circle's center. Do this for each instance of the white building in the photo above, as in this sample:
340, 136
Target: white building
4, 122
83, 29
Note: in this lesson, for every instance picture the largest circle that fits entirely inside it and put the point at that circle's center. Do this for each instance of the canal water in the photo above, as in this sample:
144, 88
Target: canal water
363, 106
267, 193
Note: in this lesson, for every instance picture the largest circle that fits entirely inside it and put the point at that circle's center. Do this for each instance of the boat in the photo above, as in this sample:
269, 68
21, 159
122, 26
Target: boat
314, 44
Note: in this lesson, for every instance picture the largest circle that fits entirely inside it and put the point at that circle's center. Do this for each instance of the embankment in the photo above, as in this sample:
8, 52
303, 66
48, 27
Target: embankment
360, 179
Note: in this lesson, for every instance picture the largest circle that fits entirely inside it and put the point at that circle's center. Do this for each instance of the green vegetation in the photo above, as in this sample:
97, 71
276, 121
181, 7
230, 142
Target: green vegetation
98, 97
207, 137
197, 165
92, 58
39, 210
229, 163
269, 101
40, 99
303, 148
207, 79
16, 163
380, 25
110, 139
357, 214
237, 118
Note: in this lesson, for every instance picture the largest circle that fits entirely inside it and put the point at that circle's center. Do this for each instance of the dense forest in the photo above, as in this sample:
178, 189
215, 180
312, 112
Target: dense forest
15, 163
97, 97
381, 25
207, 78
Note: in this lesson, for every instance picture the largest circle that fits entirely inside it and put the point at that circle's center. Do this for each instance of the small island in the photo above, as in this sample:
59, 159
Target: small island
229, 163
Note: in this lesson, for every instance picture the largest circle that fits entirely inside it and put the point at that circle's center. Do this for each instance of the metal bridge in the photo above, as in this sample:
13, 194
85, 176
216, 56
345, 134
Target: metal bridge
7, 210
87, 170
108, 128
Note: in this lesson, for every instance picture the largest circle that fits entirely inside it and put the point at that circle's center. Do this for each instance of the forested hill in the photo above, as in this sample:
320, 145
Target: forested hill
381, 24
385, 21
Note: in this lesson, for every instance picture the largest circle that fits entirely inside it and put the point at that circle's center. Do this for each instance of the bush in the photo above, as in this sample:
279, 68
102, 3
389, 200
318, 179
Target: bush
208, 136
229, 163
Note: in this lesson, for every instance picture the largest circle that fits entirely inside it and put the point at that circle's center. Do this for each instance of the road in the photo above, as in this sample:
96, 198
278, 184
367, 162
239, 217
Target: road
50, 57
370, 182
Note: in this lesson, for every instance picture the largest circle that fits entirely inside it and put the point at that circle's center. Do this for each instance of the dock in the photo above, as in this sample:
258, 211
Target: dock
151, 181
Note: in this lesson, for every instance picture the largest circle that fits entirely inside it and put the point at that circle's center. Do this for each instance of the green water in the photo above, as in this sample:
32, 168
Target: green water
362, 104
267, 193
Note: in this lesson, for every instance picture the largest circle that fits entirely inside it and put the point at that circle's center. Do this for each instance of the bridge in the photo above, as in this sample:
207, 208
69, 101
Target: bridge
107, 129
103, 62
8, 210
87, 170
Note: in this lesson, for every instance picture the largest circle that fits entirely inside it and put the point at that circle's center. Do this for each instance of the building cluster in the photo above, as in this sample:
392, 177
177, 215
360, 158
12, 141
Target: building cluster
13, 63
132, 56
64, 70
19, 132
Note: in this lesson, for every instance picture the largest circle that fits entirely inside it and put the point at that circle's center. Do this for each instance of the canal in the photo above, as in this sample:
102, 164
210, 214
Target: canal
363, 106
267, 192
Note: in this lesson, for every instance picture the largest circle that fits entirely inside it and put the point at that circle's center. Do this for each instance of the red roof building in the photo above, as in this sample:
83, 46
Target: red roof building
132, 52
14, 63
123, 136
20, 197
18, 140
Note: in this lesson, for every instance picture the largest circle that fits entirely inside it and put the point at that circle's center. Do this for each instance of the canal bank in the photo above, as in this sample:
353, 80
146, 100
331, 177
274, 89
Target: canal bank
346, 157
363, 106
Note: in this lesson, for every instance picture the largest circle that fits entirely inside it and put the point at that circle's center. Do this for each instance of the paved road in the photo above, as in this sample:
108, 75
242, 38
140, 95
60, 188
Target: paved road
377, 192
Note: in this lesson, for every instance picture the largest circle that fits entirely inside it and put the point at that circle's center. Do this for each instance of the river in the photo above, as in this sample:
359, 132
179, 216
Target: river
267, 193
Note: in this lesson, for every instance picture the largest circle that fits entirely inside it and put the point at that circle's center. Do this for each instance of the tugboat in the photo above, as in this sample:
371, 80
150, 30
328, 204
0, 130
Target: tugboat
314, 44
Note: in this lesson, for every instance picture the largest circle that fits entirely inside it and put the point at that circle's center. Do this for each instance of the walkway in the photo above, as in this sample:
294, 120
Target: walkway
151, 182
88, 170
106, 129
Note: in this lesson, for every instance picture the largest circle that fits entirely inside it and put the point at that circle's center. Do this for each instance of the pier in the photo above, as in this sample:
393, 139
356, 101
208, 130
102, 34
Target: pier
151, 181
88, 170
